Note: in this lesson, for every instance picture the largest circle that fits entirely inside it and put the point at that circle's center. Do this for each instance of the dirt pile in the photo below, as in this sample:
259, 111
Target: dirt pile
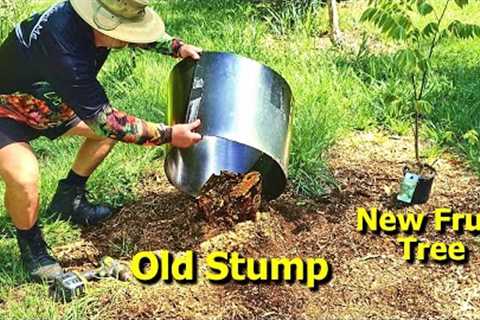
370, 279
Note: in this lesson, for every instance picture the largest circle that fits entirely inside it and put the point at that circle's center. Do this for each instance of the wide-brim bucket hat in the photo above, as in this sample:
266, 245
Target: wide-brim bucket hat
127, 20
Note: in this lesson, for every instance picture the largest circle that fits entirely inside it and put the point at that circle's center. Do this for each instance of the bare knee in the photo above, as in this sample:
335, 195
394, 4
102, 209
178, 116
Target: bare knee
22, 199
19, 170
19, 166
26, 182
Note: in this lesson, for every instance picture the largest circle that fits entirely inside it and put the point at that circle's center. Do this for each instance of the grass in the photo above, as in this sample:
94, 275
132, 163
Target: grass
335, 91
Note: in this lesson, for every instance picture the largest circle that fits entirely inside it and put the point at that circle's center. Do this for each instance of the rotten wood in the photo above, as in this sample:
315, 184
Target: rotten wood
230, 198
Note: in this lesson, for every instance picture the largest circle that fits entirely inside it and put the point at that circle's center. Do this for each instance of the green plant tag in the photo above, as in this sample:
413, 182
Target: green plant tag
407, 188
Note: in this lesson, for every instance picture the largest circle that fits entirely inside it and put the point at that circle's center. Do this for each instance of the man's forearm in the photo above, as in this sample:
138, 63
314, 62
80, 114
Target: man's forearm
123, 127
168, 45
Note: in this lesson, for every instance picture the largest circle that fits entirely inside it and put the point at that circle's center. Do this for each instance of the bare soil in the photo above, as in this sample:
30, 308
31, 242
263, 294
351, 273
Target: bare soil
370, 278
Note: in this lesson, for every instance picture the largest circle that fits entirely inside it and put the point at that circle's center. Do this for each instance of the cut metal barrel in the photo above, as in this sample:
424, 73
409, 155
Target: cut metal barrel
245, 109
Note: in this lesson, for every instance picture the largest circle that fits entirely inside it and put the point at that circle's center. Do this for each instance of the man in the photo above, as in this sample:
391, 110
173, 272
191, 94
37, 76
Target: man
49, 87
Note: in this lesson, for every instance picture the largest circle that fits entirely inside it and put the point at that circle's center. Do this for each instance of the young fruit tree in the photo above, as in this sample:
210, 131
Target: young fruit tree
417, 27
403, 21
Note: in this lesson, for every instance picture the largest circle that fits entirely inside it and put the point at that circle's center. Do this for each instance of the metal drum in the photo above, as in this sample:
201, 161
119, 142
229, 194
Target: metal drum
245, 111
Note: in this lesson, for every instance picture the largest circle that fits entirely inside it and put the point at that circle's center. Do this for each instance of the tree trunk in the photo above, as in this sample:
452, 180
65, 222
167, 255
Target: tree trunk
417, 136
335, 34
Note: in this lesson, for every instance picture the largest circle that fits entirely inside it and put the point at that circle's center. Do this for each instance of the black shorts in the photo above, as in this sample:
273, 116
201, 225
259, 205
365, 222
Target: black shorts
12, 131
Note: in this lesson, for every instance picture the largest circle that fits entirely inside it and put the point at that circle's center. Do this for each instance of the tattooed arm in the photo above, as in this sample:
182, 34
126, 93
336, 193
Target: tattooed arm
168, 45
109, 122
118, 125
174, 47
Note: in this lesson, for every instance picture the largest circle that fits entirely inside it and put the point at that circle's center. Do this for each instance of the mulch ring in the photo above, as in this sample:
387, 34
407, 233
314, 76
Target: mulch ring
370, 278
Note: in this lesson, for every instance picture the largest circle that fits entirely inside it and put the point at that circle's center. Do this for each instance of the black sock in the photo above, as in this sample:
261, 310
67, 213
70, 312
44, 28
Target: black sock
30, 233
75, 179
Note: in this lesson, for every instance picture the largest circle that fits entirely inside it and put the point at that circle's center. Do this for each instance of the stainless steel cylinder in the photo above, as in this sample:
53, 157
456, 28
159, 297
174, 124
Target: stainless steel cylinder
246, 119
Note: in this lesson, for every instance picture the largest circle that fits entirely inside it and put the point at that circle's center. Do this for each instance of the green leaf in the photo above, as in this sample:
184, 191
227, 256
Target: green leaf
406, 60
377, 18
424, 106
471, 137
389, 23
397, 33
384, 17
414, 35
430, 29
405, 21
461, 3
423, 63
448, 136
390, 98
442, 35
476, 30
455, 28
463, 30
424, 8
368, 14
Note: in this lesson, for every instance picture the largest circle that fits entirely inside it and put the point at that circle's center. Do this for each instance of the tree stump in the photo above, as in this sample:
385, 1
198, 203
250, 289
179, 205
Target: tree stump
230, 198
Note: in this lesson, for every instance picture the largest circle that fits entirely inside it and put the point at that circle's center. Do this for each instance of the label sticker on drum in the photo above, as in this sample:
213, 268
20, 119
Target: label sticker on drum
198, 83
193, 110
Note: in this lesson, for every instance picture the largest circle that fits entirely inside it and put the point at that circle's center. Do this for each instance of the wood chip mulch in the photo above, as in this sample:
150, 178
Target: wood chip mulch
370, 278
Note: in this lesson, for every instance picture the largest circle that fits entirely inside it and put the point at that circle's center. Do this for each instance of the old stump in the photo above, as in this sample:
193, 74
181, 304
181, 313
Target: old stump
230, 198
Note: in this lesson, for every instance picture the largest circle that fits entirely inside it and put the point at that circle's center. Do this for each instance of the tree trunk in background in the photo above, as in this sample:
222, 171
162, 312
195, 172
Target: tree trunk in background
335, 34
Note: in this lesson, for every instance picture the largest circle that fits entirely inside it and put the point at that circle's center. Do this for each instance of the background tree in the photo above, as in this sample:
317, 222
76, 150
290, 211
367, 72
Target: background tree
335, 33
286, 14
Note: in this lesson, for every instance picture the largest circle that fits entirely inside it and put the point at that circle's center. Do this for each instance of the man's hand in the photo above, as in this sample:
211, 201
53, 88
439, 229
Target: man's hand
189, 51
183, 135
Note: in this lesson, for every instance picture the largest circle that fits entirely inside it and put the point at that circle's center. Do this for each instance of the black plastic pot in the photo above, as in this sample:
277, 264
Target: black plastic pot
424, 186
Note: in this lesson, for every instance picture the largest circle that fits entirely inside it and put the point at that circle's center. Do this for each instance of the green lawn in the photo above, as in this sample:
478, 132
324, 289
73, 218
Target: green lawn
335, 91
